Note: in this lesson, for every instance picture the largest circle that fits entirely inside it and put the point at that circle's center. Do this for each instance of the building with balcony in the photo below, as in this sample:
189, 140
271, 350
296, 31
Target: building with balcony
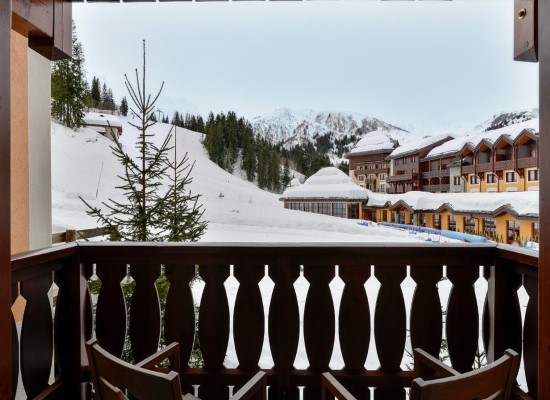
502, 160
329, 191
502, 217
368, 166
406, 170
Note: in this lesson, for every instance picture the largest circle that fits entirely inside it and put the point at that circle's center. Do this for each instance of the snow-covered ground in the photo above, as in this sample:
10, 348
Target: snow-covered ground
83, 165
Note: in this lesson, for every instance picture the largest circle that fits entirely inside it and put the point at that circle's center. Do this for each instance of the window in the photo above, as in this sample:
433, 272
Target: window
535, 232
361, 178
452, 223
384, 215
383, 177
474, 180
325, 208
457, 180
383, 187
533, 175
491, 178
401, 217
490, 228
511, 176
512, 229
437, 221
372, 176
339, 210
469, 225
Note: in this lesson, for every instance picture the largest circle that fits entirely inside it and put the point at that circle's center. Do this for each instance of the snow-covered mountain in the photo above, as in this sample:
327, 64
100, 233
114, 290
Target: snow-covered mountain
291, 127
503, 119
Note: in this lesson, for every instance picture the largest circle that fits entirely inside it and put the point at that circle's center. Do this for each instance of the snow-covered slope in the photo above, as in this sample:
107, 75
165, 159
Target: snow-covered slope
503, 119
291, 127
83, 165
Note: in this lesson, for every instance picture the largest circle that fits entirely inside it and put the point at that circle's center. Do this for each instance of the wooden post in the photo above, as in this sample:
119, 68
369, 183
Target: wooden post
70, 235
5, 234
544, 212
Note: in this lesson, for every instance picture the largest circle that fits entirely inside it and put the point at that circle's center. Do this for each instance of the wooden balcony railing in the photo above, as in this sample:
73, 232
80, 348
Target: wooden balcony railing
402, 177
528, 162
436, 174
484, 167
288, 310
468, 169
504, 165
436, 188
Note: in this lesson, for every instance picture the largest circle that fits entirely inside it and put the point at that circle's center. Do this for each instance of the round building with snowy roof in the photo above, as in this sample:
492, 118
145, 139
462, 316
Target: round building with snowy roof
329, 191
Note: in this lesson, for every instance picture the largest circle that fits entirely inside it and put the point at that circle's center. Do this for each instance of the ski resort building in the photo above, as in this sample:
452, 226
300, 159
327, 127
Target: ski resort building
329, 191
502, 217
405, 164
502, 160
368, 164
105, 124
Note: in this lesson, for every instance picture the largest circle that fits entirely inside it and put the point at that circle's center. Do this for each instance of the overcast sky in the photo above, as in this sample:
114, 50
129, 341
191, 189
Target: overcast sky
425, 65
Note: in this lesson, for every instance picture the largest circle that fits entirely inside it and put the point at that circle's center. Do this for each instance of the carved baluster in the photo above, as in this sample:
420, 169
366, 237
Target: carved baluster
214, 326
145, 311
248, 319
111, 308
88, 271
37, 333
462, 317
426, 313
354, 317
179, 315
530, 334
14, 346
390, 317
284, 325
354, 324
390, 325
318, 322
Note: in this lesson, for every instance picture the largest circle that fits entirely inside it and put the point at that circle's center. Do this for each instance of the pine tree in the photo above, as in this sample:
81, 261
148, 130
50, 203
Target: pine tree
285, 180
124, 106
95, 92
145, 214
69, 87
274, 171
249, 161
182, 212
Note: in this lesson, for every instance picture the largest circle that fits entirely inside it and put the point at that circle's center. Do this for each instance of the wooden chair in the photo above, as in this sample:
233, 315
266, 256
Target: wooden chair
494, 381
147, 381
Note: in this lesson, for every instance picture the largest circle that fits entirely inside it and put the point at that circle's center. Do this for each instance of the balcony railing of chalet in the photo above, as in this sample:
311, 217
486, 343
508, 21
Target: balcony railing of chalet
484, 167
370, 181
468, 169
504, 165
436, 174
436, 188
285, 321
402, 177
528, 162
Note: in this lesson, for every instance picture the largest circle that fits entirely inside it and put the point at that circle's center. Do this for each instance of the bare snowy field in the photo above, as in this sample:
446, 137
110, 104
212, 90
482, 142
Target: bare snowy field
237, 211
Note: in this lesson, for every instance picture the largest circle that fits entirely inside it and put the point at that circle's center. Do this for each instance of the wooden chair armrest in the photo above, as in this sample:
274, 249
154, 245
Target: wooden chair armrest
429, 367
172, 351
329, 383
255, 388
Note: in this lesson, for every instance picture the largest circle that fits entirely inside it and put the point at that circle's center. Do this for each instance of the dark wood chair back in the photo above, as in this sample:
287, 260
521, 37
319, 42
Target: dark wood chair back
494, 382
110, 374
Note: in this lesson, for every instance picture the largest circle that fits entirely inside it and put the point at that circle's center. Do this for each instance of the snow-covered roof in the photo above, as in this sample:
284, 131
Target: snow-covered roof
327, 183
512, 131
415, 146
374, 141
524, 204
101, 119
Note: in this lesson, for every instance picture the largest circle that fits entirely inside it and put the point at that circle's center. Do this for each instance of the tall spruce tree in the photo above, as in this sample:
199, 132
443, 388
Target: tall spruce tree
182, 212
145, 213
124, 106
95, 92
69, 87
